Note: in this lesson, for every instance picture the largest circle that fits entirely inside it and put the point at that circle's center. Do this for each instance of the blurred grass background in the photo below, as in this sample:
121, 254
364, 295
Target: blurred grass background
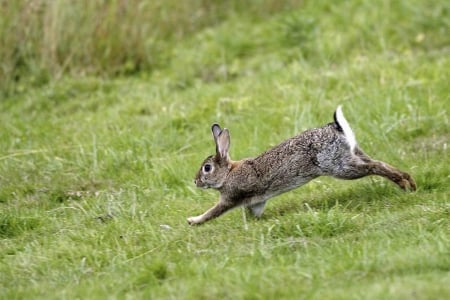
44, 40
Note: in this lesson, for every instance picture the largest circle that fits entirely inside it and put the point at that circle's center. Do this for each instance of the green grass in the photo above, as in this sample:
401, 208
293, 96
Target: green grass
91, 165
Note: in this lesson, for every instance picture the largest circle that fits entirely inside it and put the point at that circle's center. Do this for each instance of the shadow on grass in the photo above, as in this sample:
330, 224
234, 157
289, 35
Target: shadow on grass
355, 198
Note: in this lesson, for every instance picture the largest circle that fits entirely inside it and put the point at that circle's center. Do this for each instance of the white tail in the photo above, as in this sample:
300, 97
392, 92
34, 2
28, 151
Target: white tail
348, 132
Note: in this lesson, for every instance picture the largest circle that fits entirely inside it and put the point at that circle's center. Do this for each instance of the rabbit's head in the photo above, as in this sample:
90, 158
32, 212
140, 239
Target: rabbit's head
215, 168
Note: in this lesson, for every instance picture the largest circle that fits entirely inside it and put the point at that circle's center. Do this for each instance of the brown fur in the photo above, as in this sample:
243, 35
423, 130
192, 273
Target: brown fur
324, 151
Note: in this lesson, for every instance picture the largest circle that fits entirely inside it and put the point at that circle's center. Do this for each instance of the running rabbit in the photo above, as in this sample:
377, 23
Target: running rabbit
330, 150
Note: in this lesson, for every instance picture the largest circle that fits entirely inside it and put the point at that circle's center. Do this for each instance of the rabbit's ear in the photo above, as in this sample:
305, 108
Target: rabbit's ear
223, 144
216, 130
222, 140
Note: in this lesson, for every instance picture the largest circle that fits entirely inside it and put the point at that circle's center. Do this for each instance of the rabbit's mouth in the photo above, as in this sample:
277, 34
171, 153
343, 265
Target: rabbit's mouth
204, 185
200, 184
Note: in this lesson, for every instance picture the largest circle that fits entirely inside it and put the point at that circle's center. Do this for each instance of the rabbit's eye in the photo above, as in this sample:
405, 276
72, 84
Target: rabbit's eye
207, 168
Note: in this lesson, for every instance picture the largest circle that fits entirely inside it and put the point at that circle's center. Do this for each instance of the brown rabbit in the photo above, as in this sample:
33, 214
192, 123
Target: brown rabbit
330, 150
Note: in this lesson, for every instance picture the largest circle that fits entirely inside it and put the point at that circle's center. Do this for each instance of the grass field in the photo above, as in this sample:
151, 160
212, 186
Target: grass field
97, 168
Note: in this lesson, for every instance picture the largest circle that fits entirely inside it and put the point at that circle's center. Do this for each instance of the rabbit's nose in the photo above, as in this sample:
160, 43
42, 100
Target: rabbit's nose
197, 182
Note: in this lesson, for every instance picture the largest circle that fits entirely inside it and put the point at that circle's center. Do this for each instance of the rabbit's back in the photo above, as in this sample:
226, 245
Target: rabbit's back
290, 164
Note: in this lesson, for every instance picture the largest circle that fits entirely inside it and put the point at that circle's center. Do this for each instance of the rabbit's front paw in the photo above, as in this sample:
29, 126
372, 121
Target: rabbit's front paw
194, 220
407, 182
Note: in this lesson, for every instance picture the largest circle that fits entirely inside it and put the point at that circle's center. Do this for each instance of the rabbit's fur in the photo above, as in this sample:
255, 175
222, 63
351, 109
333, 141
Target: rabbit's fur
330, 150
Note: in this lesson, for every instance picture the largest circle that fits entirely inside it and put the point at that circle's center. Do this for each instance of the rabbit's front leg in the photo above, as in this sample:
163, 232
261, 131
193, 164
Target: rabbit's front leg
257, 209
213, 212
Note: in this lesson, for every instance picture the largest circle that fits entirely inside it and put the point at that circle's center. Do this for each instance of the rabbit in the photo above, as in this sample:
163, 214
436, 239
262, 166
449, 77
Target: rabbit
330, 150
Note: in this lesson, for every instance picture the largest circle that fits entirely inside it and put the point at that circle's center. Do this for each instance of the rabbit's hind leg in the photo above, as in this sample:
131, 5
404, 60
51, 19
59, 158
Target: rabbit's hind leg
363, 156
363, 166
402, 179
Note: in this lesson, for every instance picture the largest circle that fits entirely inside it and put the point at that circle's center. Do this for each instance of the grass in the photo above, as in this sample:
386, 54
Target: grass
44, 40
96, 171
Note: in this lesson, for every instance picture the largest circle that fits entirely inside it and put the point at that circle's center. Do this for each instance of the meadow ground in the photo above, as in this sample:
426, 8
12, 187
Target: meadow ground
96, 170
